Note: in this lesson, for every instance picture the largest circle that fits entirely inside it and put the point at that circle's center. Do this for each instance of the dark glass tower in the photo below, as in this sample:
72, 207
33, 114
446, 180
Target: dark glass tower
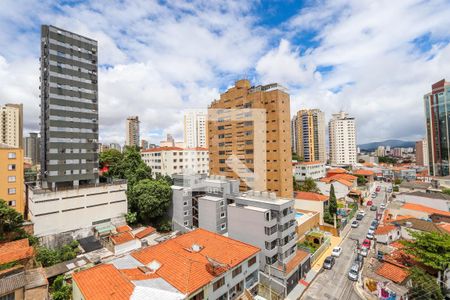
69, 108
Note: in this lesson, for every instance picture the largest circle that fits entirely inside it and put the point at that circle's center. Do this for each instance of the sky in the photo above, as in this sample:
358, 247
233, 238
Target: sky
372, 59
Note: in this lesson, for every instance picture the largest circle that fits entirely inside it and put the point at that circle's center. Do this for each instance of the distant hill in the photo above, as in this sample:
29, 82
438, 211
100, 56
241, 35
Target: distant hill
392, 143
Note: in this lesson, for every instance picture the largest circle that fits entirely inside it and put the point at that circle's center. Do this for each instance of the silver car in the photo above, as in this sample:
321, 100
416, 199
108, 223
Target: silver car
353, 273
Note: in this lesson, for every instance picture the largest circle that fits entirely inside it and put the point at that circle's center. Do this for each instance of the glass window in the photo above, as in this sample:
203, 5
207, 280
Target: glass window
11, 155
11, 178
218, 283
11, 191
252, 261
237, 271
11, 167
12, 203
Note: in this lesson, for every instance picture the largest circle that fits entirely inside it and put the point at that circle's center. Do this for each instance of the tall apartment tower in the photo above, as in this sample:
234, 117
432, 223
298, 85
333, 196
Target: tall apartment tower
294, 134
195, 129
132, 131
248, 134
422, 152
11, 125
437, 105
310, 130
342, 133
31, 147
69, 108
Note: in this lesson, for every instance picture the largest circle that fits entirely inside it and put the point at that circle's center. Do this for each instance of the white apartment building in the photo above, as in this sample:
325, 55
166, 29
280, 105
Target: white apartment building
175, 160
195, 129
313, 169
342, 134
11, 125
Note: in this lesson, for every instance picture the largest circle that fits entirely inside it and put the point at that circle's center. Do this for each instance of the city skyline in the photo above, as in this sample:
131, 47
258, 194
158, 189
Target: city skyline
315, 60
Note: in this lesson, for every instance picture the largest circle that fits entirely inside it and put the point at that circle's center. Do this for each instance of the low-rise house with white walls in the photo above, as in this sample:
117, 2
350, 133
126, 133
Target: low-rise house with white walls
314, 170
311, 202
387, 234
175, 160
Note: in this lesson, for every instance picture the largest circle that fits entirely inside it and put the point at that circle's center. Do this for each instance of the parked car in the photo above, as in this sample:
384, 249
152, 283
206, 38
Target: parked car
369, 236
359, 217
369, 203
355, 224
373, 208
336, 252
354, 272
382, 206
389, 190
366, 243
371, 230
364, 252
378, 189
328, 262
362, 212
359, 260
374, 195
374, 223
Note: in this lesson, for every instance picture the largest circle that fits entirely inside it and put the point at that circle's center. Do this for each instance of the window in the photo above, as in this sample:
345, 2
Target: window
8, 297
11, 155
11, 167
218, 283
222, 215
185, 203
11, 191
223, 226
11, 178
186, 213
236, 271
186, 223
251, 261
12, 203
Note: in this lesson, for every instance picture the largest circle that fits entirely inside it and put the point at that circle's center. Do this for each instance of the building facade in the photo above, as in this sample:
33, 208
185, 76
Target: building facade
422, 153
342, 134
310, 133
195, 129
31, 147
314, 170
294, 134
115, 146
437, 104
249, 133
132, 137
69, 108
12, 177
174, 160
11, 125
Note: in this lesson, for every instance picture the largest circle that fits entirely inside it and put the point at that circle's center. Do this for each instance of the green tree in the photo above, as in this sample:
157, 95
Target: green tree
131, 217
295, 184
397, 181
150, 198
10, 221
424, 286
332, 202
446, 191
133, 167
49, 257
60, 289
387, 160
112, 158
309, 185
430, 248
361, 180
327, 217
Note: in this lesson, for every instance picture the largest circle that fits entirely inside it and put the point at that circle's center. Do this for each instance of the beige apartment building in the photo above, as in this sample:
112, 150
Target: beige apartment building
249, 137
11, 177
11, 125
309, 130
132, 131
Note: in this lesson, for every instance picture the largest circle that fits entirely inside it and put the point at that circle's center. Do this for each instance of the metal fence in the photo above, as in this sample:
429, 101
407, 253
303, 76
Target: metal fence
326, 244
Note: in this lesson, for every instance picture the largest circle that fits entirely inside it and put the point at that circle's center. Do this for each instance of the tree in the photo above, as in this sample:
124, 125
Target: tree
332, 202
60, 289
295, 184
424, 286
296, 157
361, 180
327, 217
446, 191
397, 181
131, 218
309, 185
10, 221
150, 198
48, 257
430, 248
112, 158
133, 167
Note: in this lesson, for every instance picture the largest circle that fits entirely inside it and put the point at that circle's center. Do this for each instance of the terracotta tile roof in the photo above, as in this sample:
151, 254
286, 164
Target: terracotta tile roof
356, 192
137, 274
296, 260
103, 282
123, 228
445, 226
364, 172
397, 245
421, 225
399, 218
310, 196
424, 208
143, 233
14, 251
392, 272
187, 270
337, 171
384, 229
122, 237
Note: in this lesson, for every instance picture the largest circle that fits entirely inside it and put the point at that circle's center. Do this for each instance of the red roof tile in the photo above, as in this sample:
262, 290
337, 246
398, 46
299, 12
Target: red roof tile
187, 270
14, 251
392, 272
424, 208
143, 233
310, 196
445, 226
384, 229
364, 172
122, 238
103, 282
123, 228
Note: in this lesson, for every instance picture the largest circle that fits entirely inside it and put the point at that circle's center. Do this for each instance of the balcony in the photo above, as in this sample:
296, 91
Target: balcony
289, 244
289, 230
288, 217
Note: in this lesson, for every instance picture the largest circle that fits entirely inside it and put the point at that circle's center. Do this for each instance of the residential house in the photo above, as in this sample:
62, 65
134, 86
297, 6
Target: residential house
419, 211
387, 234
409, 186
311, 202
368, 175
309, 169
123, 241
414, 224
343, 184
437, 201
196, 265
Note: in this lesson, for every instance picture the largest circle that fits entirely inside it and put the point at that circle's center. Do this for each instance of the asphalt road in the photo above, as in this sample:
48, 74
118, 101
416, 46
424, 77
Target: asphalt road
334, 284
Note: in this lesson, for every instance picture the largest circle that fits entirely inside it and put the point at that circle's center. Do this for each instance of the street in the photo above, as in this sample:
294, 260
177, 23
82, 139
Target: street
334, 284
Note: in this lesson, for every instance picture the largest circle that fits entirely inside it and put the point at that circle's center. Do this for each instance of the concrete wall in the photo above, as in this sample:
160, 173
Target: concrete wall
180, 196
62, 211
316, 206
309, 224
40, 293
340, 190
208, 213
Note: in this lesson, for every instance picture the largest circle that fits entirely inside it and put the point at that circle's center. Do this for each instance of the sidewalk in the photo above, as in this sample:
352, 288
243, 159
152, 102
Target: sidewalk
302, 285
